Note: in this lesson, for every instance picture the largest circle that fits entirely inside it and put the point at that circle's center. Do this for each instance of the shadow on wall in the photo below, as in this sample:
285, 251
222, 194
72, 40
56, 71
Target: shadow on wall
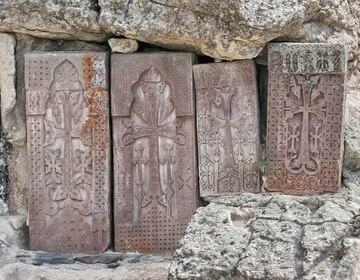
4, 174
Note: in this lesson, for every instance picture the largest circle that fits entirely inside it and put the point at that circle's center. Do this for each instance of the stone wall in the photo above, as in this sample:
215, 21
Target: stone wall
222, 29
217, 29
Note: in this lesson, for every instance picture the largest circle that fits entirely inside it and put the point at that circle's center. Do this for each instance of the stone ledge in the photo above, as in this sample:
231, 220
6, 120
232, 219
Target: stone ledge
20, 271
31, 265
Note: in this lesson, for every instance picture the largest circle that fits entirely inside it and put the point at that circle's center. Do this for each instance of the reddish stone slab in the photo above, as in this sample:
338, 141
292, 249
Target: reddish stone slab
306, 96
154, 150
68, 151
227, 127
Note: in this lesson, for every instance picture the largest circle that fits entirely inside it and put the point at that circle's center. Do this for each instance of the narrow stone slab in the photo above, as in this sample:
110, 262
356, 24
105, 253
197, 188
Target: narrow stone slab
12, 129
306, 96
105, 258
154, 150
51, 258
68, 151
227, 127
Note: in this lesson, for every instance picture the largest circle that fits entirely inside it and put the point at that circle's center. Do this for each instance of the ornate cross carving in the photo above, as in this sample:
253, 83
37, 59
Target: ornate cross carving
304, 136
155, 119
223, 100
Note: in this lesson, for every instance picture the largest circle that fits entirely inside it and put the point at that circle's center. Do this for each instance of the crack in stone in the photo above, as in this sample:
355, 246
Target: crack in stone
299, 223
300, 256
163, 4
234, 270
324, 254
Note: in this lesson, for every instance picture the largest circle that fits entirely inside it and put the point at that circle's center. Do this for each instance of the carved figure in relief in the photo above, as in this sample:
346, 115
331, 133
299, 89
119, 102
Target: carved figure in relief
153, 136
305, 125
68, 162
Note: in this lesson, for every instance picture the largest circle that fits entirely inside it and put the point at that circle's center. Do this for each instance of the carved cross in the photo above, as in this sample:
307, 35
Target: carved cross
53, 165
157, 120
303, 89
224, 100
63, 128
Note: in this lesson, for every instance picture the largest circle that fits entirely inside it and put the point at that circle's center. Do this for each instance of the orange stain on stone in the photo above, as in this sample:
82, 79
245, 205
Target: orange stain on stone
96, 97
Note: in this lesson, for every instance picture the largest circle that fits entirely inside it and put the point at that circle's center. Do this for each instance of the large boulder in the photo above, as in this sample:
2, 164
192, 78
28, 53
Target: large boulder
274, 237
228, 29
224, 29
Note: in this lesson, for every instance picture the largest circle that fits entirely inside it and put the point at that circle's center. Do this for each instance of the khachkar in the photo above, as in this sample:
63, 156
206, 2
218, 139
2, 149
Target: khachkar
228, 127
68, 151
305, 117
154, 150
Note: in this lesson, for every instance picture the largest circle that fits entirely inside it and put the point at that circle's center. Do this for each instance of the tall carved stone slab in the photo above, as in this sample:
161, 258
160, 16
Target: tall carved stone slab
227, 127
154, 150
305, 117
68, 151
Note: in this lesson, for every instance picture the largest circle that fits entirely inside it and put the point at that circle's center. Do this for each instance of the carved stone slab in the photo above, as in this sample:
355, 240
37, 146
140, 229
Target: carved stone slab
68, 151
154, 150
227, 127
305, 117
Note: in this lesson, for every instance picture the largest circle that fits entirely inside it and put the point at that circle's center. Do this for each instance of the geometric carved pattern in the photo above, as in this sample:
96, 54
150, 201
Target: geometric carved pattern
154, 150
68, 151
228, 127
305, 117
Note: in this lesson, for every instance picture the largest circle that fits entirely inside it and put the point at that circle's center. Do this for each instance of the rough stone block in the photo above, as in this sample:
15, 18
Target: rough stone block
305, 117
68, 151
227, 127
12, 127
123, 45
154, 150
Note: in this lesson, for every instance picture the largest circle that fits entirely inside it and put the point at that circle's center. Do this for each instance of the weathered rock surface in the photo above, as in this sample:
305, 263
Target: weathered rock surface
352, 131
221, 29
123, 45
138, 271
232, 29
12, 123
274, 236
12, 237
74, 19
110, 265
